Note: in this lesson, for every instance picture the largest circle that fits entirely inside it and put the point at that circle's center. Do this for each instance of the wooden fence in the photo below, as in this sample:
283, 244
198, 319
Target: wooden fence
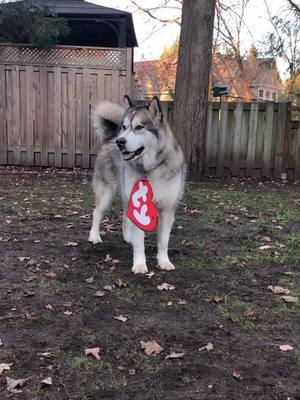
46, 99
250, 140
45, 115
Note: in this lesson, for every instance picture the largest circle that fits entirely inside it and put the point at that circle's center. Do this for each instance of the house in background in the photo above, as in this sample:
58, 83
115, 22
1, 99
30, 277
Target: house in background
253, 79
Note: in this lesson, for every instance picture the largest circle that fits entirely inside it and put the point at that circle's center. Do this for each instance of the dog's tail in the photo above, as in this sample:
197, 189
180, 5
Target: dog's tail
107, 119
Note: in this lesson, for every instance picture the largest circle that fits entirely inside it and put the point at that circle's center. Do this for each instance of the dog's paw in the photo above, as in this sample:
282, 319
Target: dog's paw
139, 269
166, 265
95, 237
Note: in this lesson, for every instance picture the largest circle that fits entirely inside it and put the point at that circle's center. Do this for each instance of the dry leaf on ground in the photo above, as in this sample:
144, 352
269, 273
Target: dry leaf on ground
121, 318
290, 299
47, 381
151, 348
71, 244
5, 367
208, 347
266, 247
93, 352
236, 374
51, 274
150, 274
248, 312
165, 286
217, 299
278, 289
90, 280
12, 384
175, 355
99, 293
286, 347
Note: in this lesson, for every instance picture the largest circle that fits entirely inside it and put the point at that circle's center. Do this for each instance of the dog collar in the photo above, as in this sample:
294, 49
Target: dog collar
141, 209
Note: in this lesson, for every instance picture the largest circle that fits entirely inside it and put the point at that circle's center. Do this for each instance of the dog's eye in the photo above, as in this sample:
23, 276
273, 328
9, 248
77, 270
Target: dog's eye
139, 127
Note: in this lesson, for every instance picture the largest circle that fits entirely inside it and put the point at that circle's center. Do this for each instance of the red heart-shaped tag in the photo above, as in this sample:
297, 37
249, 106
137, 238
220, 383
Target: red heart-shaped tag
141, 209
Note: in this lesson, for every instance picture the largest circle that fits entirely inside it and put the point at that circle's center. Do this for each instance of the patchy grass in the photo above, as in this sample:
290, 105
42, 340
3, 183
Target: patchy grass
231, 239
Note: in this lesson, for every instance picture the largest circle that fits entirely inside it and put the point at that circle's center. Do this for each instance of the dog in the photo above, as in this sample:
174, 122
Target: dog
137, 141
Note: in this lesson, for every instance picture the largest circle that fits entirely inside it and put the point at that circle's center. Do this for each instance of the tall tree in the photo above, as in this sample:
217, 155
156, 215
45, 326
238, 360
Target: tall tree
192, 81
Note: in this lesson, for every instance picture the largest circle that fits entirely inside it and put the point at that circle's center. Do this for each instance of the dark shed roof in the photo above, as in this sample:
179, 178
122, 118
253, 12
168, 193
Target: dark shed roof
78, 10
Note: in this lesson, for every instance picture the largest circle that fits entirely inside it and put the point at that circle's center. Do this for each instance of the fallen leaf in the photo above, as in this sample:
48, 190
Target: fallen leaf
236, 374
68, 313
1, 343
286, 347
150, 274
46, 354
51, 274
131, 372
208, 347
151, 348
278, 289
217, 299
22, 258
121, 318
175, 355
266, 247
165, 286
120, 283
248, 312
30, 316
5, 367
93, 352
71, 244
47, 381
108, 288
99, 293
169, 303
266, 239
49, 307
90, 280
12, 384
290, 299
182, 302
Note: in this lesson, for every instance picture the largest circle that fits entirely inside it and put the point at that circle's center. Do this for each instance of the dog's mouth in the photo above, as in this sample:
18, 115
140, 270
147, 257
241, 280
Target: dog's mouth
131, 155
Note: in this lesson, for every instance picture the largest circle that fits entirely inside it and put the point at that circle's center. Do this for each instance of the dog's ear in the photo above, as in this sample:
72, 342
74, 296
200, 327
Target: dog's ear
127, 102
155, 108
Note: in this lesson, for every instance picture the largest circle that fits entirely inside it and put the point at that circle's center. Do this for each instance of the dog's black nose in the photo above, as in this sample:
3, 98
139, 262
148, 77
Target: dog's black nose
121, 143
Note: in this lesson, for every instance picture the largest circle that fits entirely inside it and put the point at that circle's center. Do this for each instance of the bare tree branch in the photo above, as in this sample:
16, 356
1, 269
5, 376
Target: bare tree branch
294, 6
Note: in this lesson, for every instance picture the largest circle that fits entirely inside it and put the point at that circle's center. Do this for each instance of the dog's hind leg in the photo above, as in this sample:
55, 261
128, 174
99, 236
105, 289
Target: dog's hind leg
103, 200
164, 229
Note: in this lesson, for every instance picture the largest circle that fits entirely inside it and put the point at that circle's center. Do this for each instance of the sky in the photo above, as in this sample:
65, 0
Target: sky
153, 37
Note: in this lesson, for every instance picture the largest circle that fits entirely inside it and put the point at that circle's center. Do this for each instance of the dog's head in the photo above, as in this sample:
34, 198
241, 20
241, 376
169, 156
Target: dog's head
141, 134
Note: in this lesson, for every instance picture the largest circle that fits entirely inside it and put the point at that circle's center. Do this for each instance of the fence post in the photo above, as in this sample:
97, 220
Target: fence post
238, 114
3, 132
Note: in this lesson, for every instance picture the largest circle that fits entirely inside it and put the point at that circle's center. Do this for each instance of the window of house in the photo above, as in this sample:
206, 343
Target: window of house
261, 93
274, 96
268, 94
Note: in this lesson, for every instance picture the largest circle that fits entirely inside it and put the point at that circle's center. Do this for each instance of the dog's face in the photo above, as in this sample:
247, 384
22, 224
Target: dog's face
141, 133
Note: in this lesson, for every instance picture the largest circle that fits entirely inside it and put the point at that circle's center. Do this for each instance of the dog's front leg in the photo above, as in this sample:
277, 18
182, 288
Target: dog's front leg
166, 219
137, 237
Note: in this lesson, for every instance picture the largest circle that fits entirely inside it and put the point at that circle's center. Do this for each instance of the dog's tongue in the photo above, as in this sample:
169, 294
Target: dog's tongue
127, 156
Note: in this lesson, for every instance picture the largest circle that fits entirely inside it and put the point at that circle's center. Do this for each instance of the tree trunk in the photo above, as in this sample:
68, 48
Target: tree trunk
192, 81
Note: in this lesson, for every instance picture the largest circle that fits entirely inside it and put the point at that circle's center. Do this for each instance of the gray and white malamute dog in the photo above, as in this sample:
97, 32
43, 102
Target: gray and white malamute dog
137, 142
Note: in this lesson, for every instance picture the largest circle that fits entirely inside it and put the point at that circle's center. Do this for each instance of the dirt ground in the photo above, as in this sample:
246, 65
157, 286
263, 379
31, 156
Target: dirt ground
231, 240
